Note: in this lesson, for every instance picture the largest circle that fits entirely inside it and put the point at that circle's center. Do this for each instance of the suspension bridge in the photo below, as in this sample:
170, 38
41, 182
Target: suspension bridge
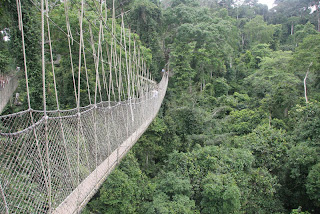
54, 160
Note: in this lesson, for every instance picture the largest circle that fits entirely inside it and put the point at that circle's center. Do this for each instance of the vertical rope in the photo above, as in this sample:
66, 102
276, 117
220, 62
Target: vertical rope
45, 104
127, 67
120, 66
56, 91
43, 61
133, 77
86, 69
97, 63
80, 54
102, 60
78, 103
104, 80
95, 113
18, 2
70, 50
4, 199
114, 45
110, 72
134, 58
51, 56
23, 50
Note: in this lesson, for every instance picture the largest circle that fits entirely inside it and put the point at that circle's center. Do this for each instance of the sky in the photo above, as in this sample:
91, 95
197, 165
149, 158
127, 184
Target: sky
267, 2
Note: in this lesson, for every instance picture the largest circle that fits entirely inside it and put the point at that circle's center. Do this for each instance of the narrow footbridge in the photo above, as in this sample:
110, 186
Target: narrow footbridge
66, 156
54, 160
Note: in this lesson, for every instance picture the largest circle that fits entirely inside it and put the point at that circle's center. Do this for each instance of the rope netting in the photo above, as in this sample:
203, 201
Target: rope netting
53, 161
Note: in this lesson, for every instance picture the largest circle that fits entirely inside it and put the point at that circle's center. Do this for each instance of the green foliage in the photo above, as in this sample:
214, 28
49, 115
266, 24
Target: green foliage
221, 87
307, 53
4, 61
172, 185
302, 31
269, 147
297, 211
258, 31
306, 122
313, 184
244, 121
180, 204
301, 159
123, 191
146, 20
220, 194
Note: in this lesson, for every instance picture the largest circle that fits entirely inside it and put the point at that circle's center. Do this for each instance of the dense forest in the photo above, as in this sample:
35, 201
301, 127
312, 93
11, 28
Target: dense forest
235, 133
239, 129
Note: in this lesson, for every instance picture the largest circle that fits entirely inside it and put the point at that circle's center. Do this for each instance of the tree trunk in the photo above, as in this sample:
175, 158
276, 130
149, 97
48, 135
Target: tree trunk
242, 40
305, 83
147, 161
285, 113
269, 119
318, 16
292, 28
318, 22
305, 86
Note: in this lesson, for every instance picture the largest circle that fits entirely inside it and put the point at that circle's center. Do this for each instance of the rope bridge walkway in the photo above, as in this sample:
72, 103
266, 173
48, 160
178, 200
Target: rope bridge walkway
53, 161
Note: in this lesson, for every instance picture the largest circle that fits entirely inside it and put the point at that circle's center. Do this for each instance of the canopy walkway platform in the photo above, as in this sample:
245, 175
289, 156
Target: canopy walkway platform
49, 159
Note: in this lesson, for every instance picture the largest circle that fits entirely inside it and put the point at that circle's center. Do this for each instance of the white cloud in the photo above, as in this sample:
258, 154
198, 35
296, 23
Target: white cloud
267, 2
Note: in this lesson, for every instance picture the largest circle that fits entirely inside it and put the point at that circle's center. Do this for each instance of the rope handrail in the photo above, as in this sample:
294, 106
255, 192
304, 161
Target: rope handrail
84, 108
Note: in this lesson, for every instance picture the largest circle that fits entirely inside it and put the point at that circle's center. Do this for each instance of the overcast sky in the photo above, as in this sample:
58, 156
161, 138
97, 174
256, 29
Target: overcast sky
267, 2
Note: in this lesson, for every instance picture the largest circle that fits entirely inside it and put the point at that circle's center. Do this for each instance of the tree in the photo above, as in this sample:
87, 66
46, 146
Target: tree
274, 82
306, 53
268, 145
258, 31
313, 185
244, 121
220, 194
301, 158
147, 21
302, 31
124, 190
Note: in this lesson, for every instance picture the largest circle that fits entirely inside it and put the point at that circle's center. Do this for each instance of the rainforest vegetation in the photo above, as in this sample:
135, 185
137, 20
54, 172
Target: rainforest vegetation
239, 129
235, 133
